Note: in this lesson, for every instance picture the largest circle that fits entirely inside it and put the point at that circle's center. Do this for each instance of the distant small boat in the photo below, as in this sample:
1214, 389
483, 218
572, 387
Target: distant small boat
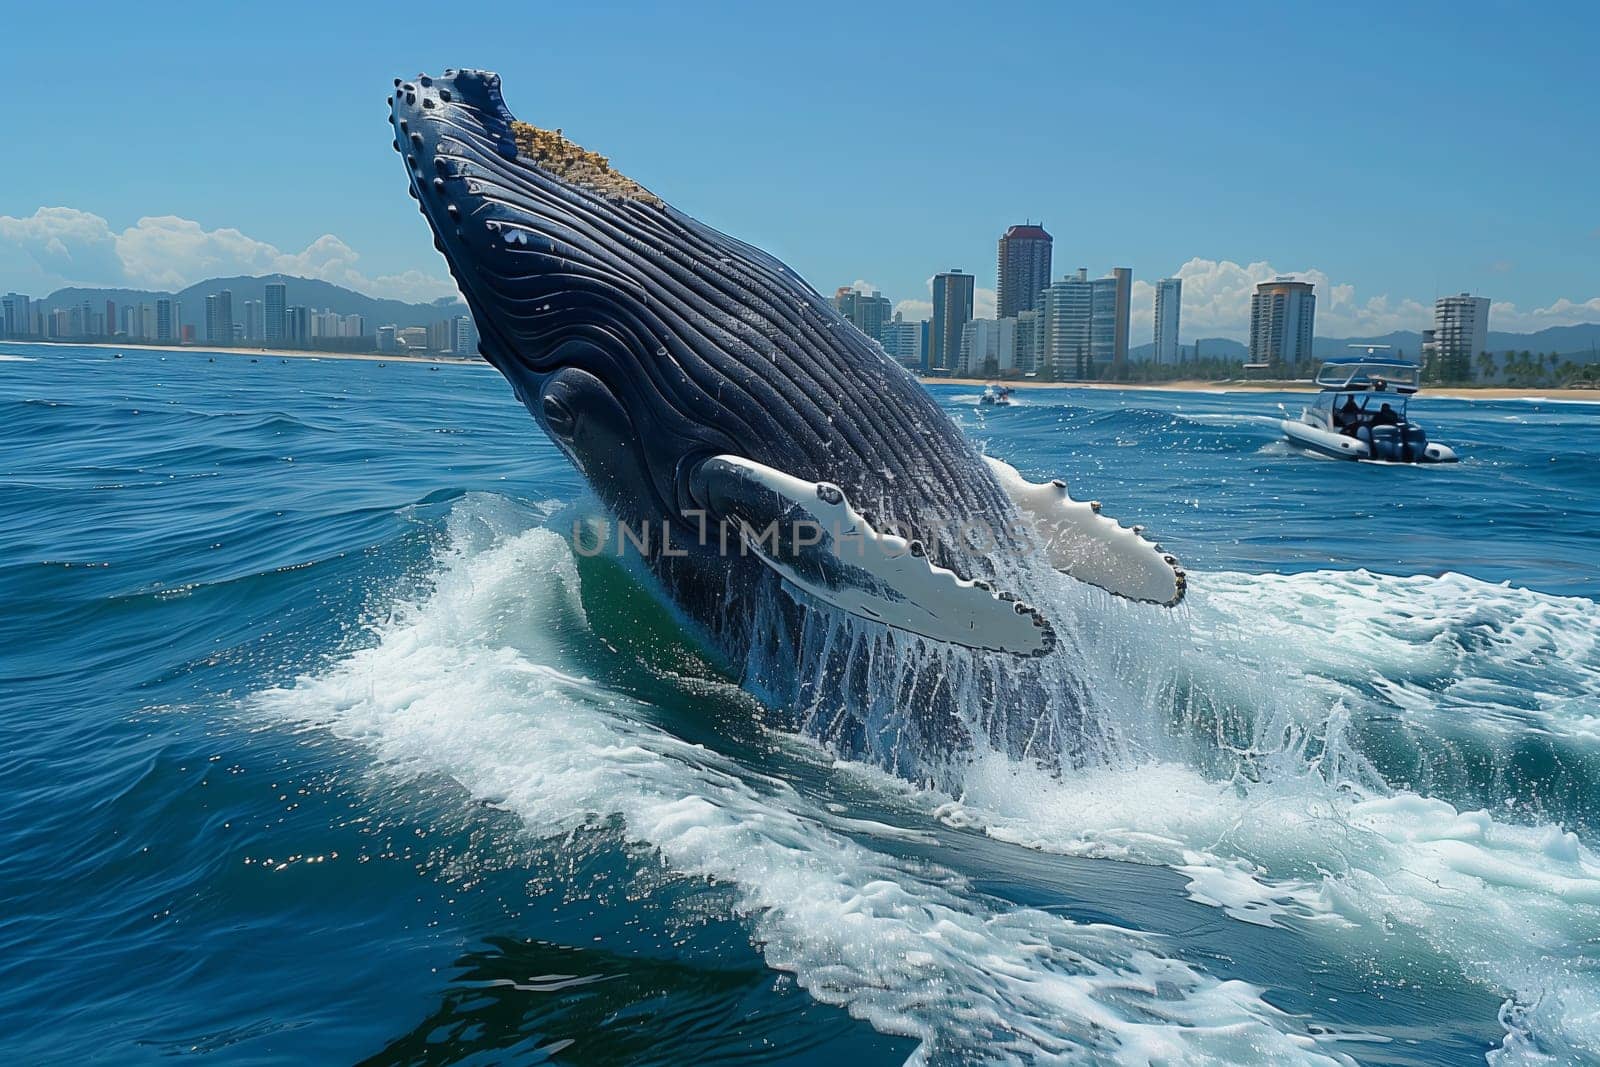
995, 395
1361, 413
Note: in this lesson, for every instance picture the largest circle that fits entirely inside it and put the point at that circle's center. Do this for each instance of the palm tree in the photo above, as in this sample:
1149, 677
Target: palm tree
1486, 366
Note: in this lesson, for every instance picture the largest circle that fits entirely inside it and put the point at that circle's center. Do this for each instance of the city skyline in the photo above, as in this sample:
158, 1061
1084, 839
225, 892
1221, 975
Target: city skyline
1391, 209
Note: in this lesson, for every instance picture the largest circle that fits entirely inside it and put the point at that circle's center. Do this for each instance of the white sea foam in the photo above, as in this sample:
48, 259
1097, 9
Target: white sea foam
1453, 652
1517, 908
470, 683
1262, 676
8, 357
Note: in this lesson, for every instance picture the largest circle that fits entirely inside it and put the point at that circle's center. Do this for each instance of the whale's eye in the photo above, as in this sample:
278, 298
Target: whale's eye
558, 416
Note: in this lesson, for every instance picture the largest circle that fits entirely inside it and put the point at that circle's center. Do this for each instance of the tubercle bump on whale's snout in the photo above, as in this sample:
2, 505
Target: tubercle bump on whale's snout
477, 91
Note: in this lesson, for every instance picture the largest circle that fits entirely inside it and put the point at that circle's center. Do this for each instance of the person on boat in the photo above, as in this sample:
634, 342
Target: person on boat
1386, 417
1348, 417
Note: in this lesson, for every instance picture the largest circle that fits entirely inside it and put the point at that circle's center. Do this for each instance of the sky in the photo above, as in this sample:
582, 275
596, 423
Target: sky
1389, 152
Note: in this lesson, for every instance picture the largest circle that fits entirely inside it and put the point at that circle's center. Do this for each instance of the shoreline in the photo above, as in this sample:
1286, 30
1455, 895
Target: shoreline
1304, 386
284, 353
1186, 385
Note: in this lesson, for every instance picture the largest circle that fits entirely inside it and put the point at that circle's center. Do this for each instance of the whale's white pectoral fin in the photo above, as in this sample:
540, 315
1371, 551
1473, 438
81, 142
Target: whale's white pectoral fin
810, 535
1092, 547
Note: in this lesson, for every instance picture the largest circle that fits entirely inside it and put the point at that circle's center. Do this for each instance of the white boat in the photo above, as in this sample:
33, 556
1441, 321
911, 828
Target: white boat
1361, 412
995, 395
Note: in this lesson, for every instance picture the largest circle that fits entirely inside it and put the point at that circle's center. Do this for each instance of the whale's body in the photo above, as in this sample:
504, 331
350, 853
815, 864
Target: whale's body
686, 372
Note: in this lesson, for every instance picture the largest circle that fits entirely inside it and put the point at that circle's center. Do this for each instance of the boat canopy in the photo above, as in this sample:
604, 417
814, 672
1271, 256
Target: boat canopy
1361, 373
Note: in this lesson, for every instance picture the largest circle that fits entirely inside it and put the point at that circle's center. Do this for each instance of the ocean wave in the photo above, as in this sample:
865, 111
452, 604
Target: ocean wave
472, 682
1277, 818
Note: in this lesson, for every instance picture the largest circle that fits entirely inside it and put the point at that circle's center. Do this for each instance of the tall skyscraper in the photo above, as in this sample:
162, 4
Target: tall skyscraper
166, 321
1066, 310
1123, 279
1083, 326
903, 341
866, 313
465, 342
252, 320
274, 308
988, 347
1282, 320
1460, 332
1029, 325
297, 325
952, 308
1024, 269
219, 318
1169, 297
17, 316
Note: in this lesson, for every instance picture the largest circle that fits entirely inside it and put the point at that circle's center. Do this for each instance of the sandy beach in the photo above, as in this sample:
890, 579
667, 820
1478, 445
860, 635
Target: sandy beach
1190, 385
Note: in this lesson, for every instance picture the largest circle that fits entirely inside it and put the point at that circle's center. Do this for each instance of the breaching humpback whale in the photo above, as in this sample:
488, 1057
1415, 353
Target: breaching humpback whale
881, 571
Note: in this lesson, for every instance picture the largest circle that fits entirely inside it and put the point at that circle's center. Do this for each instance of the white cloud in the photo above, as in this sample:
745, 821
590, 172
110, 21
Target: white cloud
1504, 315
984, 303
168, 252
1216, 302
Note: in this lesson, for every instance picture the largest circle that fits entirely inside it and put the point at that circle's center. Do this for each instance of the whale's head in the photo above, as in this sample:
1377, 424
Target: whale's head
548, 245
642, 340
685, 372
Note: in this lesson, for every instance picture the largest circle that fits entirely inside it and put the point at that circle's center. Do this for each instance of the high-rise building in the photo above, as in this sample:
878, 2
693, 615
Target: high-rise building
465, 341
110, 319
273, 310
440, 334
952, 308
1169, 297
1282, 320
326, 325
1024, 269
297, 325
219, 318
386, 338
17, 316
1103, 322
1082, 331
252, 321
903, 341
1460, 332
1028, 330
1065, 312
988, 346
866, 313
166, 321
1122, 279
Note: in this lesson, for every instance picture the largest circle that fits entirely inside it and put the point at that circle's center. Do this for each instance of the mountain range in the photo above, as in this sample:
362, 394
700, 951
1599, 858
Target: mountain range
308, 292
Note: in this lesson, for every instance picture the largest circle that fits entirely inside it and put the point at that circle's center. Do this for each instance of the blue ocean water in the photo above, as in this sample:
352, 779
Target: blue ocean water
319, 744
